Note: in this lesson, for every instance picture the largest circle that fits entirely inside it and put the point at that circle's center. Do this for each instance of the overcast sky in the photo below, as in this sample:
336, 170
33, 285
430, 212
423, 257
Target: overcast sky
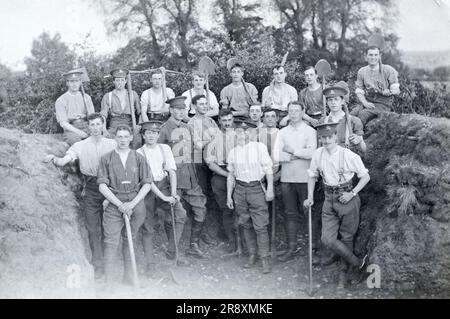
422, 25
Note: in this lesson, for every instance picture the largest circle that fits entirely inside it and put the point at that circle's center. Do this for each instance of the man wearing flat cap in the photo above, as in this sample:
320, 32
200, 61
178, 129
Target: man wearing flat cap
238, 95
115, 105
376, 83
163, 193
340, 211
72, 109
336, 98
178, 135
248, 163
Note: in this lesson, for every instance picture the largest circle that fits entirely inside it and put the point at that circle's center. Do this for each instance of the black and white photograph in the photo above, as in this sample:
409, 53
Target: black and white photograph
223, 150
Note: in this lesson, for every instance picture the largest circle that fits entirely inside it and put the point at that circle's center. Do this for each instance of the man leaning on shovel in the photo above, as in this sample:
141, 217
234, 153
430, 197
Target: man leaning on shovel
124, 178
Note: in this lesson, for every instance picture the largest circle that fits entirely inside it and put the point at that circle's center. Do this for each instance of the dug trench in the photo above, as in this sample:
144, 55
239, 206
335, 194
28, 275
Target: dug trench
404, 227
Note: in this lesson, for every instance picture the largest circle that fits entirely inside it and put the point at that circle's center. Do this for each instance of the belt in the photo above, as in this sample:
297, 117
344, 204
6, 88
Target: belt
249, 184
339, 188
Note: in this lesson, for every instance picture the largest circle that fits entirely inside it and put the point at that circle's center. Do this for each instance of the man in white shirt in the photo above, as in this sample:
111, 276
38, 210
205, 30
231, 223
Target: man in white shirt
198, 82
163, 193
278, 94
88, 153
248, 163
294, 147
340, 211
154, 99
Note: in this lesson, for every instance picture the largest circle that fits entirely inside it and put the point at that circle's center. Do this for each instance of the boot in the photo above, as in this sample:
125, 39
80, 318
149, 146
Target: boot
194, 249
207, 239
251, 261
266, 265
291, 234
250, 238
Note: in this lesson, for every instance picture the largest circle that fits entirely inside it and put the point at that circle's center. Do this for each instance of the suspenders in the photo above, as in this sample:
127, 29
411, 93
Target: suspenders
340, 170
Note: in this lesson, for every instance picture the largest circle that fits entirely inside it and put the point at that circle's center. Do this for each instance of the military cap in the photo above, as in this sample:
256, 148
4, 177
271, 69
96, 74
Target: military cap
336, 90
152, 125
119, 73
244, 124
73, 75
326, 129
344, 85
177, 102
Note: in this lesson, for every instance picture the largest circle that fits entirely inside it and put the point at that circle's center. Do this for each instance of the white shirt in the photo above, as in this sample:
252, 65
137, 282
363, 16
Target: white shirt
88, 152
279, 97
153, 101
189, 94
249, 162
303, 139
330, 164
159, 162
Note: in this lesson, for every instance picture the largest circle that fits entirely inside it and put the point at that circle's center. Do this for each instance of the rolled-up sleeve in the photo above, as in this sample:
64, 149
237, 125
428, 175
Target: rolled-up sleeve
102, 174
356, 164
74, 151
358, 127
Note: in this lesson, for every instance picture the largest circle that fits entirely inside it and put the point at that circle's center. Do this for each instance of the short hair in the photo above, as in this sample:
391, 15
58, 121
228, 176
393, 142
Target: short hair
373, 47
123, 128
255, 104
269, 109
196, 98
95, 116
237, 65
310, 67
199, 74
277, 67
225, 112
158, 71
296, 103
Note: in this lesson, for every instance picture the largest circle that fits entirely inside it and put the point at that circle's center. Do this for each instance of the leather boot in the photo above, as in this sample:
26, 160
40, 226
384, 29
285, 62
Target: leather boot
194, 249
266, 265
250, 238
291, 234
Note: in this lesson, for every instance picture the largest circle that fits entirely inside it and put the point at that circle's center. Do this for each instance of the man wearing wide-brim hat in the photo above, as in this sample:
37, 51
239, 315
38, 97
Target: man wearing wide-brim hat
72, 108
340, 211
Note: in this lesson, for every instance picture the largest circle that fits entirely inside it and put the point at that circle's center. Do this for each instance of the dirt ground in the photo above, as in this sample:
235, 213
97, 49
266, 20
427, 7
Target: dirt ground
404, 228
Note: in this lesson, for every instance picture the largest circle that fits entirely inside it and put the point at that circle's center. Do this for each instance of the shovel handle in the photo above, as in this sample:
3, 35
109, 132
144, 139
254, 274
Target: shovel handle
131, 248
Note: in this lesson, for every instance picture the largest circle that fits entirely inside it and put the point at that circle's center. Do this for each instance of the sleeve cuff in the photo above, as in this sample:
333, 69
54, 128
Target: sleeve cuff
102, 180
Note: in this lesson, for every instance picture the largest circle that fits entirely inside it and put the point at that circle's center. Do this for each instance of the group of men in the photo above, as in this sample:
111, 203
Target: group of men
241, 149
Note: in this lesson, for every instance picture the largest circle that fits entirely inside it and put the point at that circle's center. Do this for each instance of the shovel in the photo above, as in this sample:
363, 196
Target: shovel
207, 67
323, 69
131, 248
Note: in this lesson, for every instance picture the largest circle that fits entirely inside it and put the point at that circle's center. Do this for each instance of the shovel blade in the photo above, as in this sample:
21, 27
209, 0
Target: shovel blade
323, 68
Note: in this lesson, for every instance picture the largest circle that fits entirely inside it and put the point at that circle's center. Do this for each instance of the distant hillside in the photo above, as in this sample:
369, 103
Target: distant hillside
428, 60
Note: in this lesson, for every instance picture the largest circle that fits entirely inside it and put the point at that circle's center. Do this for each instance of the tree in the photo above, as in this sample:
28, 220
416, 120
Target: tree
296, 13
182, 12
50, 58
238, 20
